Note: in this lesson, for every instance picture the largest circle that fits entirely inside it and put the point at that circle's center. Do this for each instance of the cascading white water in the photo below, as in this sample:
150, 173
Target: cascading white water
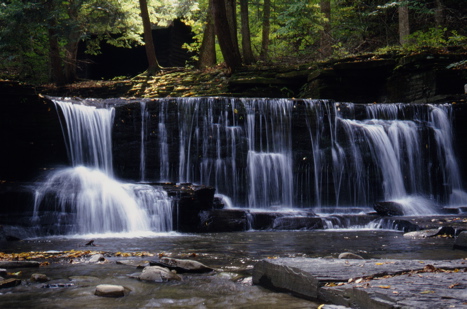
144, 120
263, 153
269, 158
87, 133
96, 201
163, 145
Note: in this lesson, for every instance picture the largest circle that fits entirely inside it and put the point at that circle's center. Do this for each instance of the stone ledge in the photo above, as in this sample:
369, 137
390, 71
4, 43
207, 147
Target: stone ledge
327, 280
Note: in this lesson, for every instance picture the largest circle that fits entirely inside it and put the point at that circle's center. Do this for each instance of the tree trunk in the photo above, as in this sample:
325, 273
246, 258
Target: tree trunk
207, 52
71, 48
325, 41
56, 69
229, 50
71, 55
439, 13
266, 29
153, 64
231, 12
248, 56
404, 26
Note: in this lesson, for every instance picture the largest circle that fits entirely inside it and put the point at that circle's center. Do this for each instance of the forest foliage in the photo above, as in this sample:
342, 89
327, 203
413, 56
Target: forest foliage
39, 39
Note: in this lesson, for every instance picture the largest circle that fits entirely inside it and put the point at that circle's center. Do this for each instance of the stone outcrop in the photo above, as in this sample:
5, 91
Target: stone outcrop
30, 134
424, 77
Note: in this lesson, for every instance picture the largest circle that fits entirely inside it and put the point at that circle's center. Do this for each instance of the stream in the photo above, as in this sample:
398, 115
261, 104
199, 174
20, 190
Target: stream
233, 256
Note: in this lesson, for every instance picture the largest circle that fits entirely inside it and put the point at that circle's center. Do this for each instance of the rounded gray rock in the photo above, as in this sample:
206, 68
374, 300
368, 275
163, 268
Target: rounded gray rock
109, 290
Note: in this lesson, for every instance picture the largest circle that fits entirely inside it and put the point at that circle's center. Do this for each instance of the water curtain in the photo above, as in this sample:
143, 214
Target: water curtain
85, 198
283, 153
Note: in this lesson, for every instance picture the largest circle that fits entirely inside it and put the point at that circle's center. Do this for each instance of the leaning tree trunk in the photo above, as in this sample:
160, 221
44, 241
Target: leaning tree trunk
153, 64
248, 56
207, 52
229, 50
325, 40
266, 28
404, 26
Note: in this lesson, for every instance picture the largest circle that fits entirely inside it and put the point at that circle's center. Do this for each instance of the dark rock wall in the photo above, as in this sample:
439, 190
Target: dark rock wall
30, 134
425, 77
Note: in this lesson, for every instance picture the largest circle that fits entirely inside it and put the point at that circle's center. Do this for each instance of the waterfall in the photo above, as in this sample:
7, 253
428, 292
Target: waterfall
269, 158
264, 153
85, 198
144, 120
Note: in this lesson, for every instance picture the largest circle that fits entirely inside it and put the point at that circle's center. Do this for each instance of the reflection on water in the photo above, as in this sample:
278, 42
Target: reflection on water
232, 254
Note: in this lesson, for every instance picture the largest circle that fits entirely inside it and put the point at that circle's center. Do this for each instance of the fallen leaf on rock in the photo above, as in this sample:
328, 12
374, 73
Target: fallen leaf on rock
427, 292
384, 286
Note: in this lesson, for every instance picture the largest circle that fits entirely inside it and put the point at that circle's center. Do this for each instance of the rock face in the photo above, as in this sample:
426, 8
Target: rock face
425, 77
30, 132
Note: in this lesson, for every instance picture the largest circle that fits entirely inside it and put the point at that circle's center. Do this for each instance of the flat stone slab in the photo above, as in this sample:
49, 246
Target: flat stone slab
373, 283
424, 290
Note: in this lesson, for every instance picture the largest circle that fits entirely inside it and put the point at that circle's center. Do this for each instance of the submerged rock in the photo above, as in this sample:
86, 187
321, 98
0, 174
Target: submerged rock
109, 290
181, 265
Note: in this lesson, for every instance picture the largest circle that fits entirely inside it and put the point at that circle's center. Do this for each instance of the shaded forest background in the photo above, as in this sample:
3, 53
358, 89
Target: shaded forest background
43, 41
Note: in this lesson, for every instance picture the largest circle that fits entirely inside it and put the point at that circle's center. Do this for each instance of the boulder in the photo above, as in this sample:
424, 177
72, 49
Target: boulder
389, 208
158, 274
422, 233
461, 241
222, 220
181, 265
110, 290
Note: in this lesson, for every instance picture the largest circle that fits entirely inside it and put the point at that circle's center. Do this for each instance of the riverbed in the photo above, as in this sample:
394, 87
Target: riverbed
232, 255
